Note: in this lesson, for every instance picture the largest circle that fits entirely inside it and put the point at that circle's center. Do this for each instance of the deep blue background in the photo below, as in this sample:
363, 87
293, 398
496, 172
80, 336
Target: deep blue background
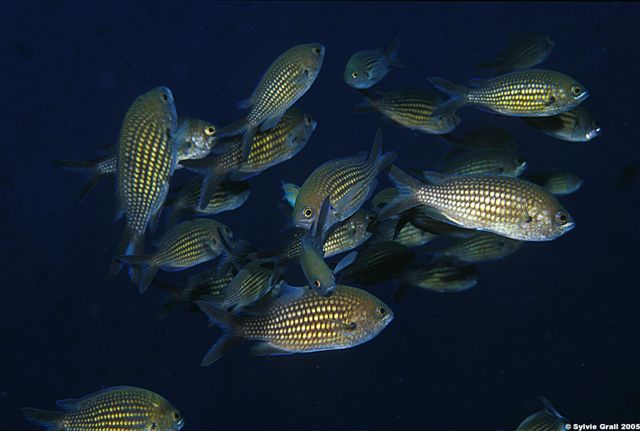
558, 319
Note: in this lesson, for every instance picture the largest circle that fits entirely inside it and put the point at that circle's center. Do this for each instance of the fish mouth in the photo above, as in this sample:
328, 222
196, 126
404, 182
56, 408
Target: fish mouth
583, 96
568, 226
593, 133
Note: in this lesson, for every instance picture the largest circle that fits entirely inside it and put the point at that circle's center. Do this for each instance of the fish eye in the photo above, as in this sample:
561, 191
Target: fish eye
552, 100
382, 311
308, 212
307, 120
154, 426
317, 51
576, 90
317, 283
176, 416
562, 217
209, 131
354, 74
165, 97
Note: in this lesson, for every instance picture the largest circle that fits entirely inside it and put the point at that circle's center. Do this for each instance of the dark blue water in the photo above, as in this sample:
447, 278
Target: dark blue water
558, 319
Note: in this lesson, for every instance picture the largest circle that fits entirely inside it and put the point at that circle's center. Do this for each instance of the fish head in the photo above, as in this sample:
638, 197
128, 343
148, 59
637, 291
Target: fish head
547, 220
195, 139
159, 102
587, 128
311, 59
370, 315
356, 74
568, 94
359, 227
518, 166
165, 417
304, 212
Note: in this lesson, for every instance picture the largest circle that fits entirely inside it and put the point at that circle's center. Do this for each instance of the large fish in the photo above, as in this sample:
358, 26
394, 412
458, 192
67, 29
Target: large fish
347, 182
300, 321
146, 159
507, 206
119, 408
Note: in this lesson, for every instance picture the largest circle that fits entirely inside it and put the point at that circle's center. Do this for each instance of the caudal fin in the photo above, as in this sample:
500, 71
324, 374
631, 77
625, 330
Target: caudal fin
86, 168
458, 96
51, 420
392, 53
407, 186
144, 263
130, 243
231, 326
382, 161
211, 177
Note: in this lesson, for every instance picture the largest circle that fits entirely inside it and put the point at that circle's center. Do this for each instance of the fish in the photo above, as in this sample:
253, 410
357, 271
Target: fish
378, 262
479, 247
300, 321
320, 277
227, 197
94, 170
278, 144
253, 281
146, 159
194, 139
558, 183
347, 181
118, 408
183, 246
412, 109
288, 78
187, 291
547, 419
511, 207
483, 138
290, 191
523, 52
444, 277
491, 162
368, 67
341, 238
382, 198
408, 235
524, 93
575, 125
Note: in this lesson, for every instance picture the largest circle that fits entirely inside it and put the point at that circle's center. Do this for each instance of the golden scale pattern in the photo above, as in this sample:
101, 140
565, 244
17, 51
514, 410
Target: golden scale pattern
250, 283
482, 200
279, 88
108, 165
187, 243
309, 322
544, 422
412, 109
271, 145
144, 166
224, 197
111, 411
205, 284
524, 92
478, 163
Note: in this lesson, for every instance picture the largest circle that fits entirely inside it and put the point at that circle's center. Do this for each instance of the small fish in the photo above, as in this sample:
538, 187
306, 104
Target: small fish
557, 183
366, 68
184, 245
408, 235
287, 79
547, 419
94, 170
483, 138
278, 144
479, 247
507, 206
194, 139
443, 277
187, 291
383, 197
119, 408
410, 108
250, 284
490, 162
378, 262
525, 93
575, 125
348, 182
146, 160
228, 196
290, 193
320, 277
300, 321
344, 236
525, 51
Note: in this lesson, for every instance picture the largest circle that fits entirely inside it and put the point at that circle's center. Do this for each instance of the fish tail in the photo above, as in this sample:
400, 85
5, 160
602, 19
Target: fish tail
458, 96
86, 168
211, 178
130, 243
146, 265
365, 107
231, 326
51, 420
392, 53
234, 255
382, 161
171, 302
406, 185
233, 129
549, 407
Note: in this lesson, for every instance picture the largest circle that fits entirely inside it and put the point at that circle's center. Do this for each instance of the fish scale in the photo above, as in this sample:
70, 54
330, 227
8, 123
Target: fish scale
496, 162
188, 243
249, 285
120, 408
313, 323
442, 277
526, 51
228, 196
482, 247
412, 109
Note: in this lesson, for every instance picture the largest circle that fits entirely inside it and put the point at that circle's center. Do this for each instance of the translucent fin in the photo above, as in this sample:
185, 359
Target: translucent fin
52, 421
230, 325
268, 349
144, 263
549, 407
433, 177
270, 123
345, 261
86, 168
237, 128
477, 82
405, 199
392, 53
129, 244
458, 96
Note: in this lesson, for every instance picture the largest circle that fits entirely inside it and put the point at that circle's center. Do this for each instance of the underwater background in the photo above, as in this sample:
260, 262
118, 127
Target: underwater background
557, 318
